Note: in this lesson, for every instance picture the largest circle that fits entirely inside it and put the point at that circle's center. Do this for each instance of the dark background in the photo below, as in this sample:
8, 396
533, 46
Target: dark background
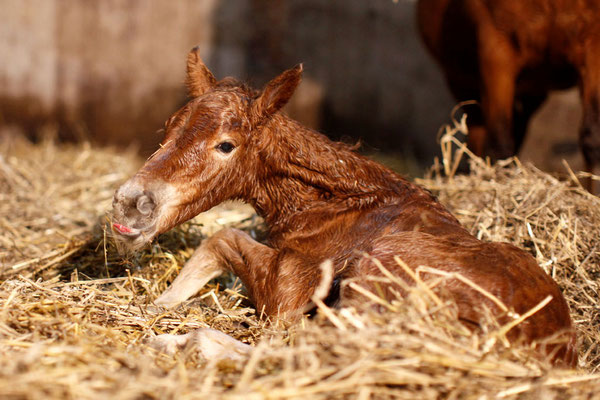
112, 71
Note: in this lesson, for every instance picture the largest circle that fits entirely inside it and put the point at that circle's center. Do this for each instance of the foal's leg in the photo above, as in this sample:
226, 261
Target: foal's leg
210, 343
200, 268
227, 250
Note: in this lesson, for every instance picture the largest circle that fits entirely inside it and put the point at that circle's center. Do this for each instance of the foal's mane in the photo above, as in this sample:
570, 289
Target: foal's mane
310, 157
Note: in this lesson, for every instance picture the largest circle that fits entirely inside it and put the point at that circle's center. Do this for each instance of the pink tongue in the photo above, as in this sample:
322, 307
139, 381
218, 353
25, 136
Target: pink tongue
121, 228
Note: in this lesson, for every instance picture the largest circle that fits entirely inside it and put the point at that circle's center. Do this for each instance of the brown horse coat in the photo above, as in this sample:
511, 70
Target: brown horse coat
320, 201
508, 55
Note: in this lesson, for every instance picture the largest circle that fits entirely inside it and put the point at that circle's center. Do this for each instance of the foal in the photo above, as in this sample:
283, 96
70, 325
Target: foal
320, 201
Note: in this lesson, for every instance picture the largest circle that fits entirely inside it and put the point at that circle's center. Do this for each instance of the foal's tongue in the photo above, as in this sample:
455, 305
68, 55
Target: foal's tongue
122, 228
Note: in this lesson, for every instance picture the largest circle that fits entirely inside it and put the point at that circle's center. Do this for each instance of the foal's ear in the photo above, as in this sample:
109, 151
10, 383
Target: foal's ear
277, 93
199, 79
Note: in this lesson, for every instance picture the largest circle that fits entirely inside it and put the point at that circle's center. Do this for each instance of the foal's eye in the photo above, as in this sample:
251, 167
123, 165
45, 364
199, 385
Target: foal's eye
225, 147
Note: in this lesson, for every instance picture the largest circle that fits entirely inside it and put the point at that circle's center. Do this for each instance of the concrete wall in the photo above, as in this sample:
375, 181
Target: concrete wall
111, 70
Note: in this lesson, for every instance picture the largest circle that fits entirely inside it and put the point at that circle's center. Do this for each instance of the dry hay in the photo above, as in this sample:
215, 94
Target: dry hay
74, 314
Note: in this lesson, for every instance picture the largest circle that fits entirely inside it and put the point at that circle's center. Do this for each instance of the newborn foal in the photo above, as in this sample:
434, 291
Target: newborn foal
320, 201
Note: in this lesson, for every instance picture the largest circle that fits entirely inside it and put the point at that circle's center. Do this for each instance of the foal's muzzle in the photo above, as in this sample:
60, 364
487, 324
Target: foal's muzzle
133, 211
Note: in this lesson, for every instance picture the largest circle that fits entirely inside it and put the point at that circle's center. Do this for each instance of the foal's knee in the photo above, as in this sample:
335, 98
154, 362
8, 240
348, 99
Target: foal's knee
226, 236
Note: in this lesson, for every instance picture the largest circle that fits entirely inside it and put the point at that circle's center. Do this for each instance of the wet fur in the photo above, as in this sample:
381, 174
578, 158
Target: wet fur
321, 200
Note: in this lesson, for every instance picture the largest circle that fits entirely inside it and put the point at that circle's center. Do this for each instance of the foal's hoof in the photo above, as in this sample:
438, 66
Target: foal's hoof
209, 343
154, 309
167, 343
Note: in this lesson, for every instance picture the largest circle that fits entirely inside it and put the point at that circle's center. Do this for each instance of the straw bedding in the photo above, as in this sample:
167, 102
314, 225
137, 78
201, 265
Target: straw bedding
74, 315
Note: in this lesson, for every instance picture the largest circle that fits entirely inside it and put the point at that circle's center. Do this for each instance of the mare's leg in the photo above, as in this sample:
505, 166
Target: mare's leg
465, 89
227, 250
589, 138
524, 108
498, 71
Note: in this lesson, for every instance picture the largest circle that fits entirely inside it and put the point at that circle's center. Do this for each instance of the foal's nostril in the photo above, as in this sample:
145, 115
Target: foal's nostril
144, 204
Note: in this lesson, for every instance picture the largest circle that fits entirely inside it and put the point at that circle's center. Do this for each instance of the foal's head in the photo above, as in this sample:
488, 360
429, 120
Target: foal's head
207, 155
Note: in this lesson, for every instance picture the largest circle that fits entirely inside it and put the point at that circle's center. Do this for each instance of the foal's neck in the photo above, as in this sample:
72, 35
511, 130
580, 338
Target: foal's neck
305, 172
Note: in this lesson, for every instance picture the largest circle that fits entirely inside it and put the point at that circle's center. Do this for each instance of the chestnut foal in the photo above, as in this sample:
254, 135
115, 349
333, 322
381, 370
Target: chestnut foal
320, 201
